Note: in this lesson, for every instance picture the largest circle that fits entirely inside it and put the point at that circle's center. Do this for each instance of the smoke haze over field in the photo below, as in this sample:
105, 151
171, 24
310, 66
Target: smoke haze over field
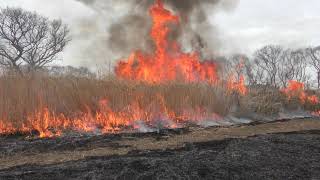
130, 31
241, 26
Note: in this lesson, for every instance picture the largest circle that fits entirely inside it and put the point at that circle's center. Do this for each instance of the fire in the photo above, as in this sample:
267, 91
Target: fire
316, 113
237, 86
49, 124
297, 89
313, 99
168, 62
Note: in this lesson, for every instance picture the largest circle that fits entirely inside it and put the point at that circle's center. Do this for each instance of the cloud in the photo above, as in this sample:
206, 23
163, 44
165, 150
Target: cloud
256, 23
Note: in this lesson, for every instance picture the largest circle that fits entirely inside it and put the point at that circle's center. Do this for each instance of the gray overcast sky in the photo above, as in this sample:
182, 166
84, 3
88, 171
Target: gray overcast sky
252, 24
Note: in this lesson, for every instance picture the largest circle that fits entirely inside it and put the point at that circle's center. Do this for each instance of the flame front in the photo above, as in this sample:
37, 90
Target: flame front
167, 63
49, 124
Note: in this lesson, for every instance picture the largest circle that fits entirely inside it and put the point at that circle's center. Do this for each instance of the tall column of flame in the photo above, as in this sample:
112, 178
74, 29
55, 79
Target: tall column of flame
167, 62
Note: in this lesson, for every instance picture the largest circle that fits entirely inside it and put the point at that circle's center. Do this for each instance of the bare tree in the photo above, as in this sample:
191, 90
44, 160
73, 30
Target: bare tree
254, 73
293, 66
267, 60
314, 54
236, 65
29, 39
240, 65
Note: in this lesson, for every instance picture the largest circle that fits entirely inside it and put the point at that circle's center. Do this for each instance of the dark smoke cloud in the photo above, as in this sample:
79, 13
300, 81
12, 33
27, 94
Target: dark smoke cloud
130, 31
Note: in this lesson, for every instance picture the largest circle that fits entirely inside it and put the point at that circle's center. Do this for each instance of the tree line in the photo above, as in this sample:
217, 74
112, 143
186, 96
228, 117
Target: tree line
274, 66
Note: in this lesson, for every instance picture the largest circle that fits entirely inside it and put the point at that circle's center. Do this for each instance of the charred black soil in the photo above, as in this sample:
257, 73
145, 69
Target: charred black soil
226, 153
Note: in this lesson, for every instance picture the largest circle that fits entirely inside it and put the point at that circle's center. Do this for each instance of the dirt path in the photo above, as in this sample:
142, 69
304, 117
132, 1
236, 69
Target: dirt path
18, 152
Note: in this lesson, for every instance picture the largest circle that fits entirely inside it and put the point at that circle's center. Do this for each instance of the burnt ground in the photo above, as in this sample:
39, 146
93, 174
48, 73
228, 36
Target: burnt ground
277, 150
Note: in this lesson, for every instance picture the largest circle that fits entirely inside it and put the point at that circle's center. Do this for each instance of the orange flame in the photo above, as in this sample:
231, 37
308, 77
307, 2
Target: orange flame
237, 86
168, 62
49, 124
297, 89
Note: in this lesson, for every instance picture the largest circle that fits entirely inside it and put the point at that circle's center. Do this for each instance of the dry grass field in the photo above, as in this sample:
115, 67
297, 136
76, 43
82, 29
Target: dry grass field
22, 97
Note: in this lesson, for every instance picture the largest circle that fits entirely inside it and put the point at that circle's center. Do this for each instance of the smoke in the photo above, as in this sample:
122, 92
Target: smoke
130, 23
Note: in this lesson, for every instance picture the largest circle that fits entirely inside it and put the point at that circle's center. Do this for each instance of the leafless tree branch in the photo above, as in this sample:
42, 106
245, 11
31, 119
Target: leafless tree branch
29, 39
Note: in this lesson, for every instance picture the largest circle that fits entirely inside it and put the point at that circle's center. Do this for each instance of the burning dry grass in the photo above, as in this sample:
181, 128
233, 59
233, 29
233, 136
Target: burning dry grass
50, 105
272, 101
73, 97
